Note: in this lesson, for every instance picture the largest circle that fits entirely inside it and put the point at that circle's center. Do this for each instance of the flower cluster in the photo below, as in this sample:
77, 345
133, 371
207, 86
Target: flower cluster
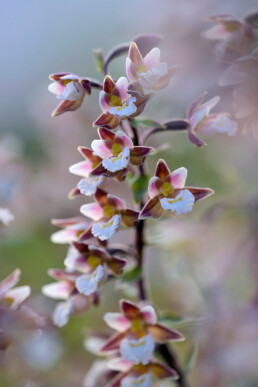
138, 331
238, 47
119, 154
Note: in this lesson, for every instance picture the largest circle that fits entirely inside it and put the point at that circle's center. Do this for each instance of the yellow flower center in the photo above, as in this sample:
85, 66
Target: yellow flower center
122, 107
93, 261
108, 224
167, 189
108, 211
139, 368
115, 101
142, 69
136, 325
116, 149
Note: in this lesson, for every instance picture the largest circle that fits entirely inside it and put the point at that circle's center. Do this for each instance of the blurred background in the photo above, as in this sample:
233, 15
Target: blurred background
208, 260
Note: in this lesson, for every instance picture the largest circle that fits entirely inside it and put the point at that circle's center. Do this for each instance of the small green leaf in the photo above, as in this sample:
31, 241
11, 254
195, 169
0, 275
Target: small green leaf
132, 275
99, 60
145, 122
139, 186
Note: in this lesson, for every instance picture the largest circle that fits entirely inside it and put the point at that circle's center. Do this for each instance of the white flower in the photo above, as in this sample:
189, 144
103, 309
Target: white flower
72, 91
119, 162
88, 186
6, 216
137, 351
142, 381
127, 109
148, 79
62, 313
88, 283
223, 124
105, 230
181, 204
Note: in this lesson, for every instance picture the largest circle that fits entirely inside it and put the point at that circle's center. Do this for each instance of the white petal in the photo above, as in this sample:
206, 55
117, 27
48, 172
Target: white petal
62, 313
17, 295
137, 351
179, 205
141, 381
126, 110
88, 186
72, 254
6, 216
105, 230
119, 162
89, 283
72, 91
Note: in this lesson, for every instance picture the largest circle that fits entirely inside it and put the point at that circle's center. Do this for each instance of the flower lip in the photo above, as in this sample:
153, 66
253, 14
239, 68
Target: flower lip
137, 350
179, 205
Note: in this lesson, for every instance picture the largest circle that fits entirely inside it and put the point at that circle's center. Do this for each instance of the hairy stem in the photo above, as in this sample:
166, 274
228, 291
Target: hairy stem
166, 353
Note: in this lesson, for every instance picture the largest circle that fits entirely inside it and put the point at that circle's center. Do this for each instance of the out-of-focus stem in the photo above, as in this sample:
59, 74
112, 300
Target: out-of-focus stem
166, 353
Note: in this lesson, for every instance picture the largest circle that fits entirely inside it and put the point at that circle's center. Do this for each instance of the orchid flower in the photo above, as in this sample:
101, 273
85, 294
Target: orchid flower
88, 185
65, 289
132, 375
167, 191
11, 296
117, 103
117, 152
70, 89
148, 71
204, 124
233, 36
138, 330
108, 213
95, 263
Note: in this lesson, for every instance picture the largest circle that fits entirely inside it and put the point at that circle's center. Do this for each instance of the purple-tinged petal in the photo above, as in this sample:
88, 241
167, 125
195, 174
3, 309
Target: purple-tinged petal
9, 282
151, 209
87, 234
129, 217
121, 89
210, 104
162, 371
149, 314
152, 59
113, 342
74, 192
123, 139
57, 290
87, 153
65, 236
108, 84
100, 170
194, 139
165, 79
162, 169
116, 265
107, 120
66, 222
154, 188
138, 154
101, 196
104, 101
92, 210
103, 148
134, 54
119, 364
131, 70
57, 76
63, 275
117, 321
200, 193
115, 201
129, 309
195, 104
178, 177
83, 168
56, 88
106, 134
66, 106
161, 334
